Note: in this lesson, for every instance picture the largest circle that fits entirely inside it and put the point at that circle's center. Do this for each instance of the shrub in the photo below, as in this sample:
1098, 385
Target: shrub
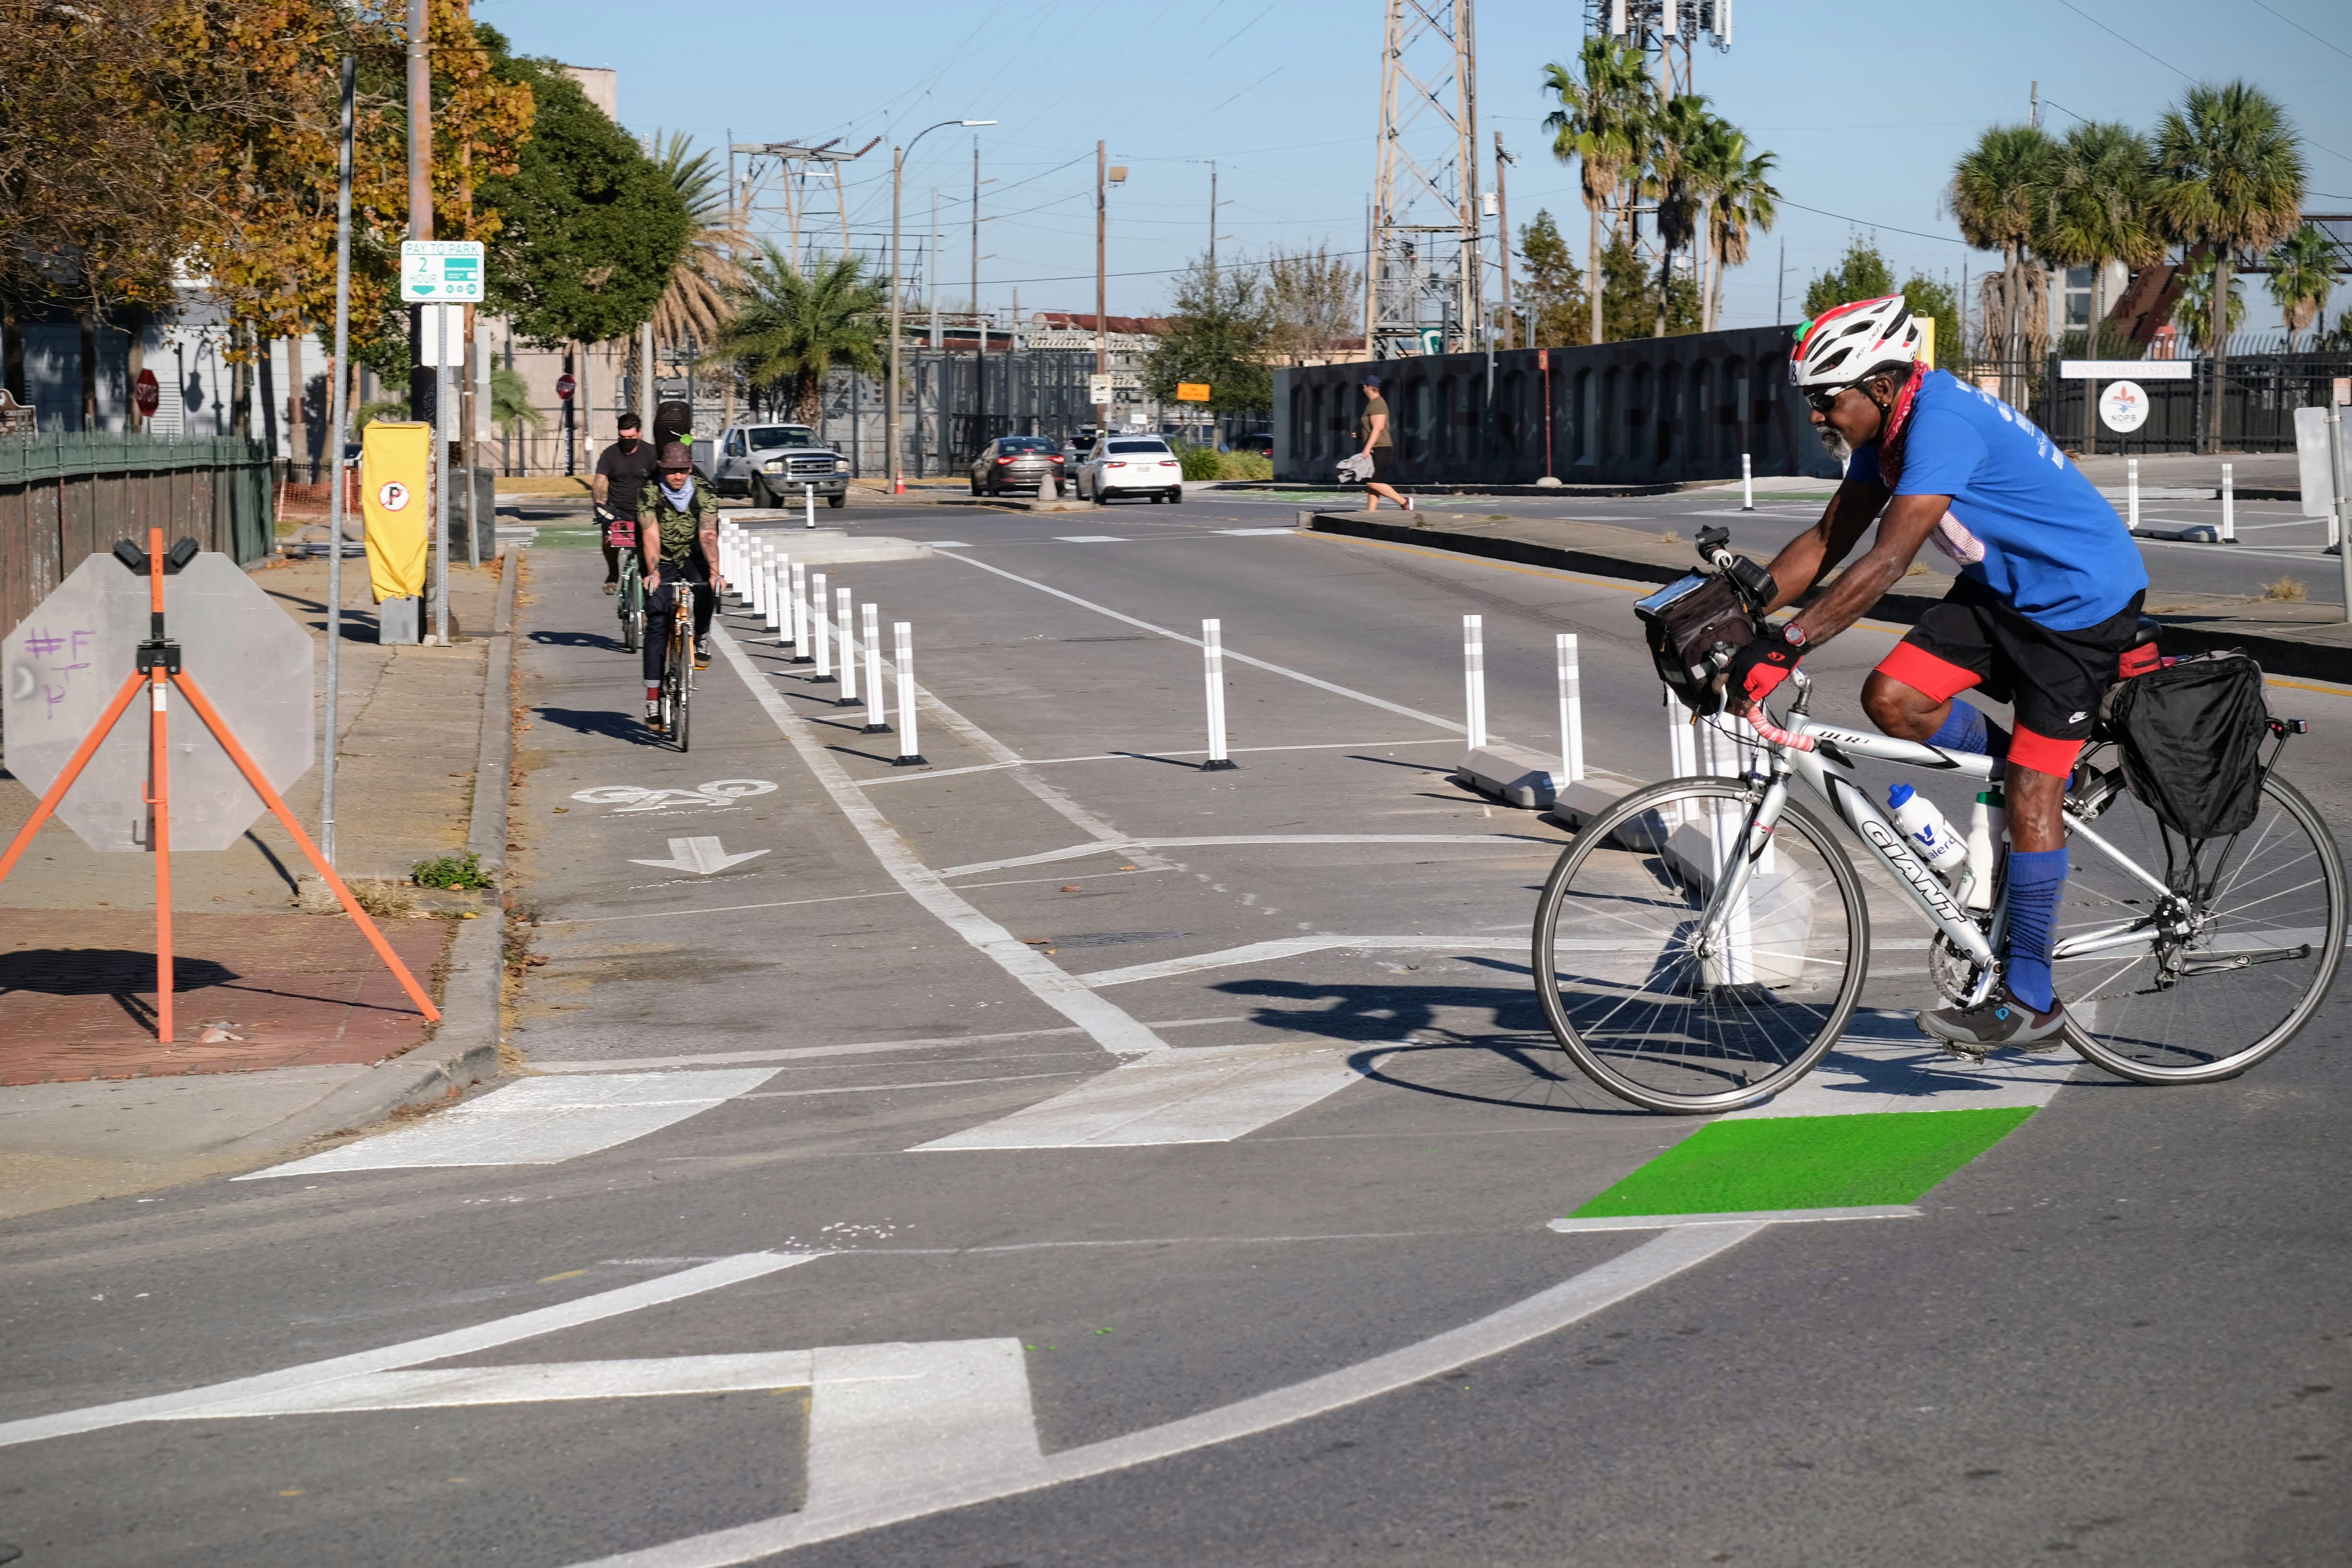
452, 871
1244, 466
1201, 463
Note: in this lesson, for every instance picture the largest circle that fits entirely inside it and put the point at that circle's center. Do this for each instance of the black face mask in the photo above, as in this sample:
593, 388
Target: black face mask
628, 441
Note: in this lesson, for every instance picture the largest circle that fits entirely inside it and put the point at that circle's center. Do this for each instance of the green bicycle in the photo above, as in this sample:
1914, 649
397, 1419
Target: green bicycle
632, 596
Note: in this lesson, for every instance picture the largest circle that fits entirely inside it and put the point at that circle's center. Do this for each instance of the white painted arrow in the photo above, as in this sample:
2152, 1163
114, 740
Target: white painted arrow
700, 855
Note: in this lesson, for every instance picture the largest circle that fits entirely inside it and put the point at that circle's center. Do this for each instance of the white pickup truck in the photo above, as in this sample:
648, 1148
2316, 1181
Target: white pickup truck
773, 465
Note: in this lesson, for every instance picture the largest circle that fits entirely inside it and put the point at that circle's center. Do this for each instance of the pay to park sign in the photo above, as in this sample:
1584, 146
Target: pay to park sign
447, 272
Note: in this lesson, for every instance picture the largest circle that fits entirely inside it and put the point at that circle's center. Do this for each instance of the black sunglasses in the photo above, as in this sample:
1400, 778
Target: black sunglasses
1825, 400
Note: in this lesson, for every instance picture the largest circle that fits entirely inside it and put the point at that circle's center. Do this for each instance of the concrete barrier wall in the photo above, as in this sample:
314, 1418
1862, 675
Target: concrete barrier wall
1647, 411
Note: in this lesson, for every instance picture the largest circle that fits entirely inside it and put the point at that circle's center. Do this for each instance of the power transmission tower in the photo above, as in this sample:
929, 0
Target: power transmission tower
1422, 275
1669, 30
793, 160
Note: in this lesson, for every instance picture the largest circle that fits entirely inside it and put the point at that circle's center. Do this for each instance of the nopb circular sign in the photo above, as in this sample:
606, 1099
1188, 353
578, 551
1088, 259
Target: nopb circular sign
2122, 406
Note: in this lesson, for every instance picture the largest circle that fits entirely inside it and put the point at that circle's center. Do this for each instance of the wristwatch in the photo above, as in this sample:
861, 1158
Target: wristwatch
1793, 635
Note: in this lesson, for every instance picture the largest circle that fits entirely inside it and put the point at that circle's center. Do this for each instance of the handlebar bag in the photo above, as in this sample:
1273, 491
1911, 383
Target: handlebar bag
2191, 733
1694, 625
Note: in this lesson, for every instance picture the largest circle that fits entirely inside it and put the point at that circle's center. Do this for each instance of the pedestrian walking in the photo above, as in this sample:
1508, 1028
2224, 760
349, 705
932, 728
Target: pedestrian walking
1379, 445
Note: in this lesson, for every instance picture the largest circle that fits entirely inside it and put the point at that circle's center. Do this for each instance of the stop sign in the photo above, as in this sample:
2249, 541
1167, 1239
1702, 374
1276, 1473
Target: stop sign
64, 662
145, 396
563, 385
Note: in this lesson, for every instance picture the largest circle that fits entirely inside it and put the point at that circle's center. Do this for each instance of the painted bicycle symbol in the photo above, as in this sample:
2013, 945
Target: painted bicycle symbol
632, 798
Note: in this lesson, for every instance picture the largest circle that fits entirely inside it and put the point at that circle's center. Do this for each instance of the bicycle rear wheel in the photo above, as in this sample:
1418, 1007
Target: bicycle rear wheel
1654, 1016
633, 611
2246, 964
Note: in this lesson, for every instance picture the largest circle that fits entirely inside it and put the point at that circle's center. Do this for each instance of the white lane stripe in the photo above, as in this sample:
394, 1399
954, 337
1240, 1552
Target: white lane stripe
1573, 1226
1206, 1095
538, 1122
1138, 757
1291, 947
1230, 655
1091, 538
435, 1347
1075, 851
862, 1048
1253, 532
443, 1387
1594, 1290
1110, 1027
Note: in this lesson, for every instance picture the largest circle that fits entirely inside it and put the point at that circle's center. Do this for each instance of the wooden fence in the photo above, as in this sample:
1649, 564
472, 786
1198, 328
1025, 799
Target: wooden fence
64, 495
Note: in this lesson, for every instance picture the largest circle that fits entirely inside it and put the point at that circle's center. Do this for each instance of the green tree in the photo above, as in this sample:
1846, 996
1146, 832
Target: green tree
1318, 300
510, 402
1679, 179
1605, 103
789, 332
1554, 288
1631, 298
2094, 210
2194, 312
1996, 195
1940, 303
1741, 196
1218, 333
2229, 174
592, 228
696, 298
2303, 275
1860, 274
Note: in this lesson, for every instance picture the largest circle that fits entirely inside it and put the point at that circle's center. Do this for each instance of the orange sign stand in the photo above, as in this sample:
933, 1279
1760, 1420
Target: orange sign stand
159, 670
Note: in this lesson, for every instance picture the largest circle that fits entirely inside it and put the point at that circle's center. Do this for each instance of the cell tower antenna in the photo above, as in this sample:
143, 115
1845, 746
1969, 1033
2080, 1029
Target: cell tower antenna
1669, 31
1422, 275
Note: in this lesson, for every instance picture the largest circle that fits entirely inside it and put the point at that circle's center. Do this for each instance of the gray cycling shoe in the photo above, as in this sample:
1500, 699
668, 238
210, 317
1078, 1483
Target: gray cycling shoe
2000, 1023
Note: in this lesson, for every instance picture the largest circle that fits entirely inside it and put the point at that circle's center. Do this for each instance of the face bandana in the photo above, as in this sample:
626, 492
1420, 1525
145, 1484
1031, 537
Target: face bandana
1896, 426
681, 494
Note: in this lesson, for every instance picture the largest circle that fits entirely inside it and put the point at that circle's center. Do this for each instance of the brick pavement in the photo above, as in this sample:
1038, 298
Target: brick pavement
78, 992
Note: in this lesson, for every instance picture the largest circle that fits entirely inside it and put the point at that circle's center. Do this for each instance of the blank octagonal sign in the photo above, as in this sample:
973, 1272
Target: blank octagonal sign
64, 662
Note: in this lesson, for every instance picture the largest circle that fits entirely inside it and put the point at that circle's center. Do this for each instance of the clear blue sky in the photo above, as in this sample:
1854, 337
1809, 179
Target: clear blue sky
1867, 106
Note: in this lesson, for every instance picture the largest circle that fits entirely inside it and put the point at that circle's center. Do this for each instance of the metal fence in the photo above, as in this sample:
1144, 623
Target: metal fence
2259, 397
65, 496
955, 405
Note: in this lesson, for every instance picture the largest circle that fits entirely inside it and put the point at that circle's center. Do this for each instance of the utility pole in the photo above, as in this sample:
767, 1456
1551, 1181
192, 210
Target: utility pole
932, 270
1780, 288
1503, 222
980, 360
2034, 106
1212, 222
421, 381
1102, 279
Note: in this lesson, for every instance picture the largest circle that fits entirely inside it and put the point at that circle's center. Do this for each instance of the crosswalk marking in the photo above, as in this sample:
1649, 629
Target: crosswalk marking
538, 1122
1197, 1095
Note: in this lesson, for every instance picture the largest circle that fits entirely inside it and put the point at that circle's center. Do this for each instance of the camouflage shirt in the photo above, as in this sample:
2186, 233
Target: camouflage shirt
677, 530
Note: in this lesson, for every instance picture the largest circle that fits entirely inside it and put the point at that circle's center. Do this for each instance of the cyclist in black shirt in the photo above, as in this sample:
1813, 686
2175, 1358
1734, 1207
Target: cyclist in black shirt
622, 471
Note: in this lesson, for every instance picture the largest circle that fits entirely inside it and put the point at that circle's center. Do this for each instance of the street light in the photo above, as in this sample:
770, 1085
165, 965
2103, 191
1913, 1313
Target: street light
898, 175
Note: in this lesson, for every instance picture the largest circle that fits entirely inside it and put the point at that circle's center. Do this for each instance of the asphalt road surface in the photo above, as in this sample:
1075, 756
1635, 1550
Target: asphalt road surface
1058, 1155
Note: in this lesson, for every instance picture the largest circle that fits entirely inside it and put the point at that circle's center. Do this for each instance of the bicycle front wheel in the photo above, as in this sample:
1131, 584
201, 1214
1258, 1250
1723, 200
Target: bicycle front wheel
680, 685
2201, 984
1674, 1021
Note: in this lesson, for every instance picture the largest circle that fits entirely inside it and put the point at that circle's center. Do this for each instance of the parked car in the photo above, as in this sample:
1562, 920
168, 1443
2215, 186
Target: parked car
773, 464
1262, 444
1018, 463
1132, 465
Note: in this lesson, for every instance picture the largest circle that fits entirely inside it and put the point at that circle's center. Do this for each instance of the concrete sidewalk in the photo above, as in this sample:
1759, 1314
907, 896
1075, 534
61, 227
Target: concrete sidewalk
288, 1025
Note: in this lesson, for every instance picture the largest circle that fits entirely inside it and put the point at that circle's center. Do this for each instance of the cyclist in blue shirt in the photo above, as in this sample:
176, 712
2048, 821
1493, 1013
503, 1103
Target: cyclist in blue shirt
2048, 597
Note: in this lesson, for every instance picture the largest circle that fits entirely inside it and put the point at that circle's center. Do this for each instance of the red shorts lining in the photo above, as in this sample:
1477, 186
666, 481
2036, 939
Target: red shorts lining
2043, 754
1915, 667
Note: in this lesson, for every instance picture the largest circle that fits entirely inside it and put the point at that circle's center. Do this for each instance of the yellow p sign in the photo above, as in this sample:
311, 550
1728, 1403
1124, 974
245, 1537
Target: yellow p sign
1191, 391
395, 485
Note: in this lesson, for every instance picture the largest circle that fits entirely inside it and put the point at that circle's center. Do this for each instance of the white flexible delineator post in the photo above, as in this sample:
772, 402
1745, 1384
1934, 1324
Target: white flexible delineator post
775, 570
1213, 669
848, 629
1571, 713
820, 628
902, 633
1747, 484
2229, 507
876, 723
799, 606
1474, 679
808, 494
2131, 492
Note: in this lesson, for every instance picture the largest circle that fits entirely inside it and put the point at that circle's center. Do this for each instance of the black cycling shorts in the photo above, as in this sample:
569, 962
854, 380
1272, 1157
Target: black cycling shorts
2053, 681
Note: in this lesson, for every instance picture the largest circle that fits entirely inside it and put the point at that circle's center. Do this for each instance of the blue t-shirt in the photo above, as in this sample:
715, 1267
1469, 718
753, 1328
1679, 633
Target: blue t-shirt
2024, 522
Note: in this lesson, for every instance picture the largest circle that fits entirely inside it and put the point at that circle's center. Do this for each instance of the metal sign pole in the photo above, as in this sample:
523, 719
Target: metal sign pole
441, 478
340, 410
2337, 506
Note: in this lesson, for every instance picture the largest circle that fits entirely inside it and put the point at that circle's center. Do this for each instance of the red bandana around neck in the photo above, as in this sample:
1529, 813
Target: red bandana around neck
1896, 426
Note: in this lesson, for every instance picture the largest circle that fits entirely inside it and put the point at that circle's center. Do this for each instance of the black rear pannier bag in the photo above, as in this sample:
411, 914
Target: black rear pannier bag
2190, 735
1693, 625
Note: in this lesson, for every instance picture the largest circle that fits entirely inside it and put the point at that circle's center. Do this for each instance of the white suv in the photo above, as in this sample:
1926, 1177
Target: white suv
1132, 465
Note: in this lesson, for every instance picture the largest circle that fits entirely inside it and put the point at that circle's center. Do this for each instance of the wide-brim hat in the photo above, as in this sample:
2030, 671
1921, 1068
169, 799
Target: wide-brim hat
674, 459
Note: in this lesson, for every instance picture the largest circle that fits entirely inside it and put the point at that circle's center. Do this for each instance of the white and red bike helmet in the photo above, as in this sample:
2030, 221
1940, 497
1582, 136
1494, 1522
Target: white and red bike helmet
1841, 346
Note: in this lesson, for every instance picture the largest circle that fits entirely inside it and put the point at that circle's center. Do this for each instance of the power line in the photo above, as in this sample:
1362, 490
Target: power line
2304, 30
1866, 223
2102, 26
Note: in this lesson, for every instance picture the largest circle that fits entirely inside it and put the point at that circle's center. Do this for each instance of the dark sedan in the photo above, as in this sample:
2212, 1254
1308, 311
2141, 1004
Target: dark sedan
1018, 463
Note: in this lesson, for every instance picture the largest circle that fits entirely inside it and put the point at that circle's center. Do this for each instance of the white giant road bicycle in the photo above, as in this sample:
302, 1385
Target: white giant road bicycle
1703, 941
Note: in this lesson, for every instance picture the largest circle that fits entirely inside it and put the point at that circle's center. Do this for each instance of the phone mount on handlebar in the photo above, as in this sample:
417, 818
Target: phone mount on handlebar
1697, 623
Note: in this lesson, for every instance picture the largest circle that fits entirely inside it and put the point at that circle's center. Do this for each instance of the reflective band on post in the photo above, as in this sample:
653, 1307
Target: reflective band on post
873, 719
821, 629
902, 633
848, 698
1474, 679
1572, 712
1212, 674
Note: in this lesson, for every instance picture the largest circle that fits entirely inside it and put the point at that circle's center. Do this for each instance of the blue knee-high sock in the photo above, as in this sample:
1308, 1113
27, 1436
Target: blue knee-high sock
1967, 729
2035, 879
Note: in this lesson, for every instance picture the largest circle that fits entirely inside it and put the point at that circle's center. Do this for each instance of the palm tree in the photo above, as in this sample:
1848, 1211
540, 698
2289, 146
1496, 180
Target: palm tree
696, 300
791, 331
2229, 174
1996, 194
2303, 274
1741, 194
2193, 312
1676, 179
1605, 104
2095, 210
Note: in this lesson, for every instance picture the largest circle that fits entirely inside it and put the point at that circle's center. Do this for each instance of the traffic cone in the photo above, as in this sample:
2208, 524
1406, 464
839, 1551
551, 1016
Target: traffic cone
899, 487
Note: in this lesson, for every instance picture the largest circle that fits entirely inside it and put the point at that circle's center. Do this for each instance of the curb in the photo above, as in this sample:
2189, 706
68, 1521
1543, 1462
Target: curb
463, 1048
2277, 654
1556, 492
